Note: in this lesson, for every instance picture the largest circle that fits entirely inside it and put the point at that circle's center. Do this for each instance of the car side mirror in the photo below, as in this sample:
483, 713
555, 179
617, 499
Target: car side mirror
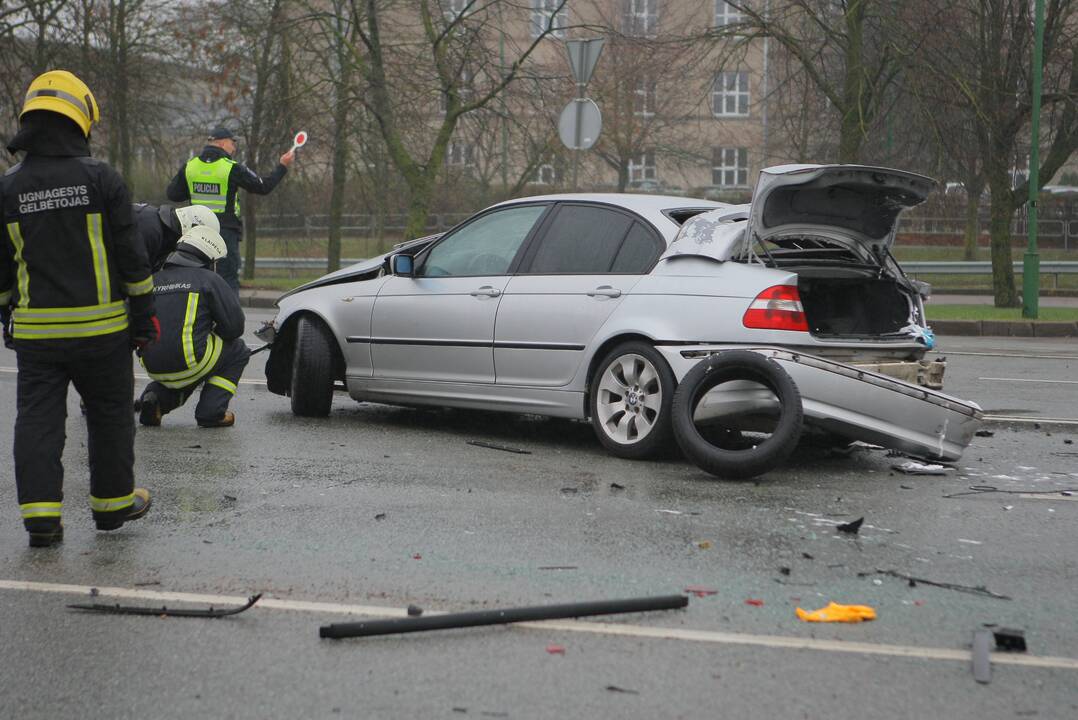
403, 265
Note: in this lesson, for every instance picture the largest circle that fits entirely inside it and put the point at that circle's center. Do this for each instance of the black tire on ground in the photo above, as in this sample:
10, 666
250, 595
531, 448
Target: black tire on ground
731, 462
658, 440
313, 365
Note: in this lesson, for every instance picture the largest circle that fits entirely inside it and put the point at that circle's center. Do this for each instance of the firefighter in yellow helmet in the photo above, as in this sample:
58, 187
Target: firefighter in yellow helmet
76, 295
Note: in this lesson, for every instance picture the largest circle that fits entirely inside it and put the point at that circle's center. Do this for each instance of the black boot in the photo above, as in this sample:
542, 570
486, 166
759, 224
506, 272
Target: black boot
45, 532
138, 508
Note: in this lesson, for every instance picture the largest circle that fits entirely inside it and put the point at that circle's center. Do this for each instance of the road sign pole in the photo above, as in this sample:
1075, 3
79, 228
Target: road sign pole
1031, 265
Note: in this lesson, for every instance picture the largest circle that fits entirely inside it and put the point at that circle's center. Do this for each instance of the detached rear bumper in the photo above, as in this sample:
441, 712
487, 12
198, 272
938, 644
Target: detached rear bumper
853, 402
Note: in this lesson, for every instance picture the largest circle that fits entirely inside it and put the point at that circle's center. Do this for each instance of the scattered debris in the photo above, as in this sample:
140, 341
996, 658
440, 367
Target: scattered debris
555, 649
393, 626
165, 612
94, 592
982, 663
970, 542
147, 583
558, 567
627, 691
851, 527
984, 433
905, 487
194, 447
838, 613
704, 544
785, 570
495, 446
700, 592
417, 556
914, 581
414, 611
1009, 639
230, 498
912, 467
1068, 441
755, 602
570, 490
670, 512
808, 556
380, 516
616, 486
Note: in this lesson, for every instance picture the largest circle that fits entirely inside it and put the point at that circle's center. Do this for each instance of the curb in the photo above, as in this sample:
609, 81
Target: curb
1005, 328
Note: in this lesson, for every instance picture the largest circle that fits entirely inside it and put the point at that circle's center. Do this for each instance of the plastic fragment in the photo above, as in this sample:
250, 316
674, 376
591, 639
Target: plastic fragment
838, 613
555, 649
982, 663
414, 611
851, 527
755, 602
704, 544
700, 591
912, 467
1009, 640
417, 556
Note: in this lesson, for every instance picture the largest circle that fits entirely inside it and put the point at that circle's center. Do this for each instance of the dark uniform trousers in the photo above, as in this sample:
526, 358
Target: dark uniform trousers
228, 267
218, 385
101, 371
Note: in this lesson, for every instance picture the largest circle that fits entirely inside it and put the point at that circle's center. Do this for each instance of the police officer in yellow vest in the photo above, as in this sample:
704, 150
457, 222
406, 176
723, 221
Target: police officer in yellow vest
214, 179
70, 257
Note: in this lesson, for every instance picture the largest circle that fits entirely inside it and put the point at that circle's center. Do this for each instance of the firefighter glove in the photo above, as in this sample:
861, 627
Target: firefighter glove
5, 321
145, 328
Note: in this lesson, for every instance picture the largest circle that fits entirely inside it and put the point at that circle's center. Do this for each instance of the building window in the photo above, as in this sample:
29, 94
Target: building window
550, 15
545, 174
725, 14
730, 167
642, 168
644, 98
452, 9
730, 94
460, 154
641, 17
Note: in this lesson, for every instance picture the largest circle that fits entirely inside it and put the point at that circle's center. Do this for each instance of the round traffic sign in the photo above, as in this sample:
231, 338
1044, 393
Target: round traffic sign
580, 116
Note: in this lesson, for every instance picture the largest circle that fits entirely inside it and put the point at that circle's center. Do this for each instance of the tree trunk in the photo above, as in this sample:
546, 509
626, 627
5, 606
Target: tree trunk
854, 106
421, 187
973, 224
623, 174
999, 228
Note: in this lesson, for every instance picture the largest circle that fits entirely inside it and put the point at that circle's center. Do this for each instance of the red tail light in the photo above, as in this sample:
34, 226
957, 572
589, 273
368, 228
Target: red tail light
777, 308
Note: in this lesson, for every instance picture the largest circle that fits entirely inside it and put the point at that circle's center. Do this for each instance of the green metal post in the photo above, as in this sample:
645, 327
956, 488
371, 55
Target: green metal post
1031, 264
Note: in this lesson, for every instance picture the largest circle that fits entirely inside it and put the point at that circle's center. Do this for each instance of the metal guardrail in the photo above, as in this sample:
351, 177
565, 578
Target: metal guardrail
1055, 268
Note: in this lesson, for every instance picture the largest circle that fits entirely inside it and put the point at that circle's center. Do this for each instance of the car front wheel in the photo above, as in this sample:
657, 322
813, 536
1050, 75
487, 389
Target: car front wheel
312, 369
631, 396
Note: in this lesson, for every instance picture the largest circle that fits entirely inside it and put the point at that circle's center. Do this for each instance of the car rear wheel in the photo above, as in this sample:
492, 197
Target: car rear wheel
312, 369
631, 394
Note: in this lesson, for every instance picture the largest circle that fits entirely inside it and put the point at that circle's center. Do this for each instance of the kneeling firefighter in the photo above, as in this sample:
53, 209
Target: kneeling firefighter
201, 324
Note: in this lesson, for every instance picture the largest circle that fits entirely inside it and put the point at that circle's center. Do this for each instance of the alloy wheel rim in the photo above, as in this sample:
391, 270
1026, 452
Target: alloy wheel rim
629, 399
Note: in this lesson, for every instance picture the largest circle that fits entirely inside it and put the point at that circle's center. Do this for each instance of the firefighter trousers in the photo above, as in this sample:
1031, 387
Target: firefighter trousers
218, 385
101, 371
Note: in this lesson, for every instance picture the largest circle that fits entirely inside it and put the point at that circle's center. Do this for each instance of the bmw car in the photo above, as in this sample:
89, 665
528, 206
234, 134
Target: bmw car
594, 306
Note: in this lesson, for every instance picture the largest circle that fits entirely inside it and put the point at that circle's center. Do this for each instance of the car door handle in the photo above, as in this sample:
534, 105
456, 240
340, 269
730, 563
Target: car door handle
605, 291
486, 291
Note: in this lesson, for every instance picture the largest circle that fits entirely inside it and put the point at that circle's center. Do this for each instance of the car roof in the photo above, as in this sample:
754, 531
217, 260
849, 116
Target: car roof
650, 207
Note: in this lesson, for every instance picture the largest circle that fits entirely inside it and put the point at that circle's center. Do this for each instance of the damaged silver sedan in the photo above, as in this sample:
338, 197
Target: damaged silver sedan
597, 305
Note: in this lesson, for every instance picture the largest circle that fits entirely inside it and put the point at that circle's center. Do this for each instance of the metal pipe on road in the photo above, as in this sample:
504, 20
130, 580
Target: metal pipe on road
395, 626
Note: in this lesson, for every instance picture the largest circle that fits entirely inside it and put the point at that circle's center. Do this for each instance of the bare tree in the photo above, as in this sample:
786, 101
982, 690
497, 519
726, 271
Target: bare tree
851, 51
986, 59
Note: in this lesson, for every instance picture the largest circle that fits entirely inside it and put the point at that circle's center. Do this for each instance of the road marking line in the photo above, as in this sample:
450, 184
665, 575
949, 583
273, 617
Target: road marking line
1008, 355
1030, 419
143, 376
1064, 382
578, 626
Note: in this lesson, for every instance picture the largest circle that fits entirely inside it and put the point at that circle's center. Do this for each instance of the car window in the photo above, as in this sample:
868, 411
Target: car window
485, 246
580, 239
638, 253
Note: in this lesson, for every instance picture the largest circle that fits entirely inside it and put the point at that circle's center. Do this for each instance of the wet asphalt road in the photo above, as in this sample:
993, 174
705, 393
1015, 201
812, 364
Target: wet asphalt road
385, 507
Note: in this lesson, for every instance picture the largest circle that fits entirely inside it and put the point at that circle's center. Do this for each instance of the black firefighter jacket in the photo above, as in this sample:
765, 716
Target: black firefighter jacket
159, 230
198, 312
69, 253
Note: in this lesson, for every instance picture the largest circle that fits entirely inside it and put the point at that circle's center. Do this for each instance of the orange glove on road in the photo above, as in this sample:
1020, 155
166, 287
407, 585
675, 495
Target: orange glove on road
838, 613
